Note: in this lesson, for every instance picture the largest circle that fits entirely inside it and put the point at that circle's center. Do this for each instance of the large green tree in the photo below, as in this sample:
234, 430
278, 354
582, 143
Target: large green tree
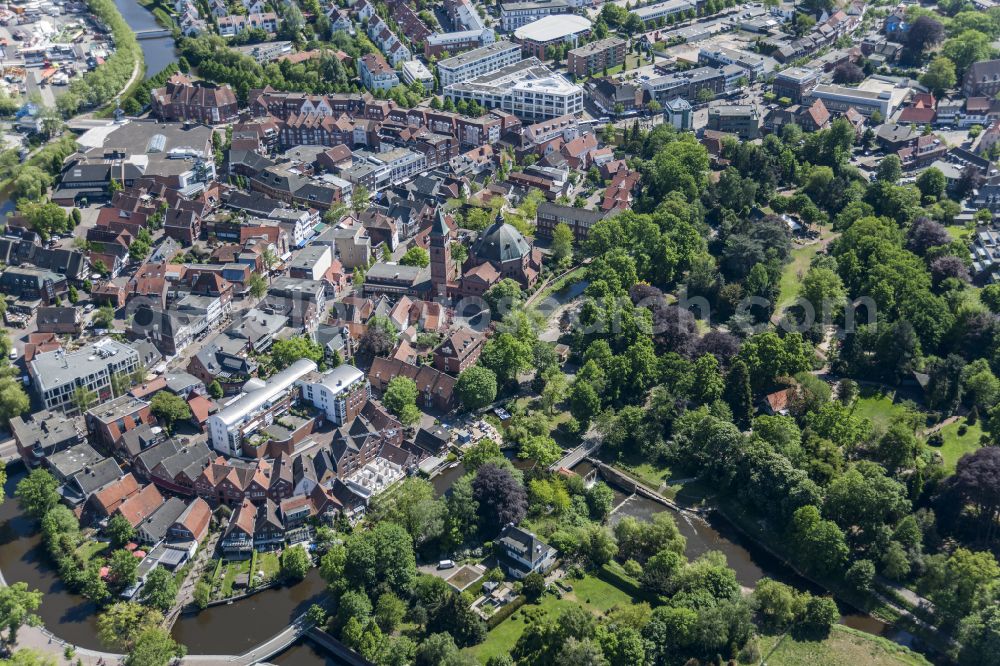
18, 606
476, 387
506, 356
286, 352
37, 493
295, 563
154, 647
121, 623
400, 398
159, 589
169, 408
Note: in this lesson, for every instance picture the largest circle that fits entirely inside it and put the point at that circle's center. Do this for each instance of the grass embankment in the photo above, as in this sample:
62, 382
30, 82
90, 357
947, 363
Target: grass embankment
955, 445
163, 12
589, 592
558, 285
102, 85
842, 647
791, 277
660, 478
879, 408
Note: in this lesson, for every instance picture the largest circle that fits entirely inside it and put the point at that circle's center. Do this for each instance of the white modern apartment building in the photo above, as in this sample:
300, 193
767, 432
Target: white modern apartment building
312, 262
58, 374
515, 14
661, 10
460, 40
400, 163
340, 393
720, 56
256, 408
839, 99
478, 62
528, 89
414, 70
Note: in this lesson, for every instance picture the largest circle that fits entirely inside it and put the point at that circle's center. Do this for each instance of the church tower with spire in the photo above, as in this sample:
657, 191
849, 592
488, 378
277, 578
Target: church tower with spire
442, 266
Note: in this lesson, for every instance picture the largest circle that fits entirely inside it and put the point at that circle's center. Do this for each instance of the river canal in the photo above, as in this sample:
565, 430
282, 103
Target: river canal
747, 559
237, 627
227, 629
158, 52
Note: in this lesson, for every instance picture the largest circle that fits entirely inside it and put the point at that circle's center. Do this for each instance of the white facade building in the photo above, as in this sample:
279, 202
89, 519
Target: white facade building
312, 262
414, 70
57, 374
340, 393
528, 89
255, 409
652, 13
478, 62
515, 14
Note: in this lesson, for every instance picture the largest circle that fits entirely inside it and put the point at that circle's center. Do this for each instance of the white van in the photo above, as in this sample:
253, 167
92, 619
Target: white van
446, 564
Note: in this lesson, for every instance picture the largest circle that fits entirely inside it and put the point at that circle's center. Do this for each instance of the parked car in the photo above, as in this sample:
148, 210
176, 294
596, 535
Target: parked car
446, 564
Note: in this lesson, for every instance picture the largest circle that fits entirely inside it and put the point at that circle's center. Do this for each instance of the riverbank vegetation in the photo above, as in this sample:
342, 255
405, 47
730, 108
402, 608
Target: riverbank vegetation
14, 400
104, 83
101, 571
138, 97
843, 646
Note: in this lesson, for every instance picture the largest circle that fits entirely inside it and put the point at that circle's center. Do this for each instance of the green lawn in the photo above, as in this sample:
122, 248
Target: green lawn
232, 569
589, 592
632, 60
955, 445
956, 231
879, 408
88, 549
269, 564
842, 647
794, 271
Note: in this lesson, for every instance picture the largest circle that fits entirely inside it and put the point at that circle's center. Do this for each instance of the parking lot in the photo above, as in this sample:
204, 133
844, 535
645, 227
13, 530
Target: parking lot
43, 49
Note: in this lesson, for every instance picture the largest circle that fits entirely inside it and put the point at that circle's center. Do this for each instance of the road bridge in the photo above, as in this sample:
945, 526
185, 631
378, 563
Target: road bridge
153, 33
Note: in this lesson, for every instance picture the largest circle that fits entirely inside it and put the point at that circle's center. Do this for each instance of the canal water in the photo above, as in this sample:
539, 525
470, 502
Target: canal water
445, 480
227, 629
744, 556
158, 52
237, 627
304, 653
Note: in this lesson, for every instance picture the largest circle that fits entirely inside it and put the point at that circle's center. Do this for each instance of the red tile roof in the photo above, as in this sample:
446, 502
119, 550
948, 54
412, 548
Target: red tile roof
142, 505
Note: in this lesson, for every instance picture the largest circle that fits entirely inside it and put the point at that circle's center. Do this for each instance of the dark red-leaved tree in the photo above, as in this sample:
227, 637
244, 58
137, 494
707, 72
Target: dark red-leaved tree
501, 497
924, 32
976, 484
924, 234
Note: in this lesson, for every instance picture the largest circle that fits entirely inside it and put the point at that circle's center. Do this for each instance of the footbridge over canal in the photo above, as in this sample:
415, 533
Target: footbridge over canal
153, 33
279, 643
